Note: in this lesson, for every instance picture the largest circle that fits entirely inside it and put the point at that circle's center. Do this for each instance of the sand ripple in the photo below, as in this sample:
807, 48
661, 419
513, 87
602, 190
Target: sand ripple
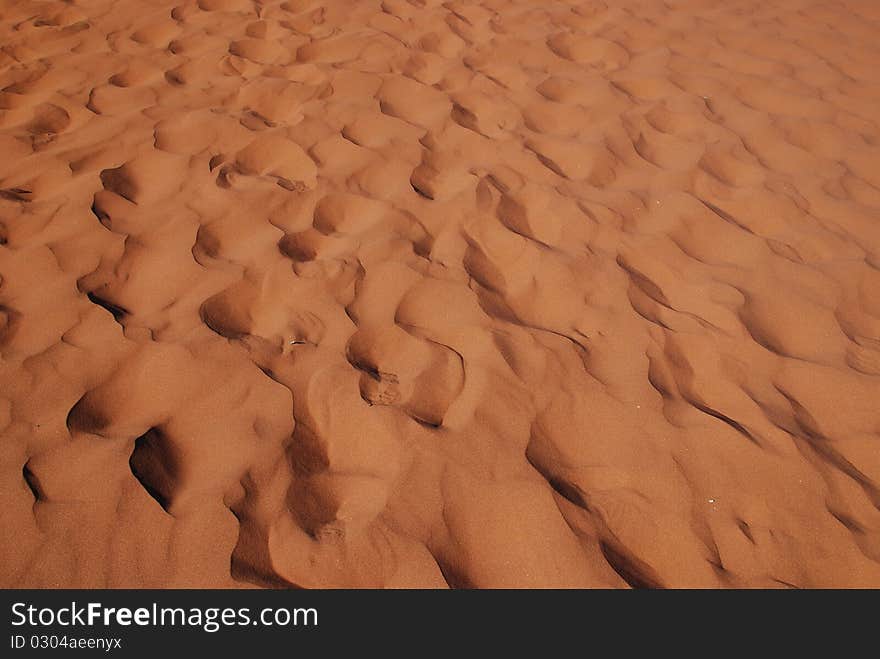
419, 293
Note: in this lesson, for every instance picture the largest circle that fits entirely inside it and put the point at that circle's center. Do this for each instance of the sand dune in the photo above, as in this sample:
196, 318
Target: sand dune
423, 293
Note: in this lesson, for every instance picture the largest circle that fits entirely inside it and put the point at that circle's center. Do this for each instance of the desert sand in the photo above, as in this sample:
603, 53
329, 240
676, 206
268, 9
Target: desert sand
413, 293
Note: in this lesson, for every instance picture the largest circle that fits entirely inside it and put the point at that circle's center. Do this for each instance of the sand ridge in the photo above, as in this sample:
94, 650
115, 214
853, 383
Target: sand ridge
423, 293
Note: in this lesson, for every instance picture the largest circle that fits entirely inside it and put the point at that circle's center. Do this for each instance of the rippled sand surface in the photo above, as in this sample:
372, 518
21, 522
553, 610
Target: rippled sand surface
411, 293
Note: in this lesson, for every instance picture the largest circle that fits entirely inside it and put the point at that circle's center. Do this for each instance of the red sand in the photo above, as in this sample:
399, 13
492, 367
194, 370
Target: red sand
417, 293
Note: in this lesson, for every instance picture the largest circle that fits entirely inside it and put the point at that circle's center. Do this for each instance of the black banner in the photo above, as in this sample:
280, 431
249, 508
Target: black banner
132, 622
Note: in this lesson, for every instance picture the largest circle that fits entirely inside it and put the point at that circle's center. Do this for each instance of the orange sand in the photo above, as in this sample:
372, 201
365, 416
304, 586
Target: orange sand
509, 293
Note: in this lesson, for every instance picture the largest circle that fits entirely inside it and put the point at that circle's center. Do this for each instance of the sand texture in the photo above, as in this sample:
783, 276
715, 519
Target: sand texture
423, 293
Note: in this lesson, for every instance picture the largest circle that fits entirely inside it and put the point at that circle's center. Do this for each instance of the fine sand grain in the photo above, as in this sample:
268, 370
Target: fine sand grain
423, 293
